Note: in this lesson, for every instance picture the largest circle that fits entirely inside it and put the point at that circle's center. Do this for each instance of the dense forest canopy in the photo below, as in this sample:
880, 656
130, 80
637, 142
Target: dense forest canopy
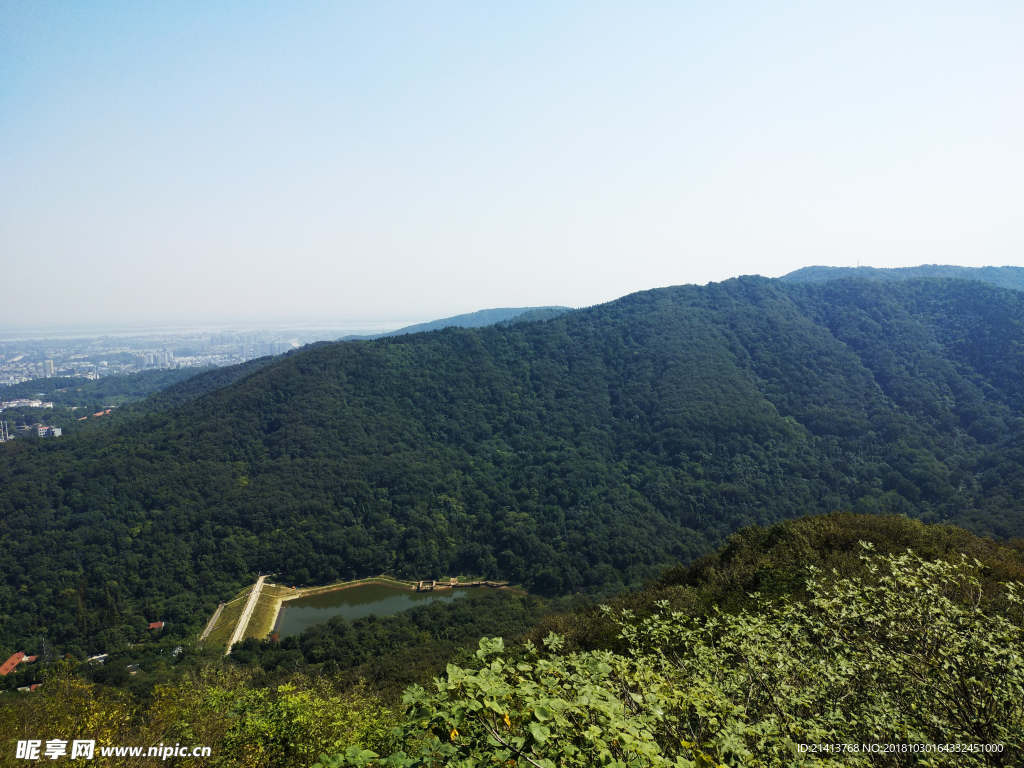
1004, 277
581, 453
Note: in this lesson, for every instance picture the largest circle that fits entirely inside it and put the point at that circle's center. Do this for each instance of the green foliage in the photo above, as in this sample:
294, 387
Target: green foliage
585, 453
65, 707
1004, 277
904, 656
772, 563
191, 387
479, 319
224, 708
888, 648
544, 711
284, 726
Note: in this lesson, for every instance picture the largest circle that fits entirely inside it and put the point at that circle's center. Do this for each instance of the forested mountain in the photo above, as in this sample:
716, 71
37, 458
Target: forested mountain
580, 453
192, 387
1004, 277
478, 319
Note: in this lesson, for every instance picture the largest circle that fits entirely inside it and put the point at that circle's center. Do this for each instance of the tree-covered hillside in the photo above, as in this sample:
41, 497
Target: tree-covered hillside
862, 630
577, 454
478, 319
1003, 277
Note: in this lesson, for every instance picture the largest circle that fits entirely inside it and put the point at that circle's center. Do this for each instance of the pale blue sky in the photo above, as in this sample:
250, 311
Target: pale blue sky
405, 161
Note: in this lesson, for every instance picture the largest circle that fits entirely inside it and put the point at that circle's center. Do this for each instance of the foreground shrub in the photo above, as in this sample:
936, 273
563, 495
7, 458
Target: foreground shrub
223, 708
898, 660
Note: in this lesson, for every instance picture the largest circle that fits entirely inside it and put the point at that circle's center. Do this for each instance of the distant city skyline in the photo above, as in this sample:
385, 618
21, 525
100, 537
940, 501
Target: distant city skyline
14, 331
365, 167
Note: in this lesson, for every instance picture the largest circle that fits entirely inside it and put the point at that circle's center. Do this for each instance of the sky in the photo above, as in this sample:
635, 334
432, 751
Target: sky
339, 162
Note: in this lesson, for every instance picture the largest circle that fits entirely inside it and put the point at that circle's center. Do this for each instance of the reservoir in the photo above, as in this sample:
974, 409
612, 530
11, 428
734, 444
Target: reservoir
357, 602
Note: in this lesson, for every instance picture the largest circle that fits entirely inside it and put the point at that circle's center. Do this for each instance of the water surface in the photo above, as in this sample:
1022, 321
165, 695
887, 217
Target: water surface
355, 603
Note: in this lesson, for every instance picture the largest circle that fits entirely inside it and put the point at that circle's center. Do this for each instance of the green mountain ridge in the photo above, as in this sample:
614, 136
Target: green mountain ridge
478, 319
582, 453
1003, 277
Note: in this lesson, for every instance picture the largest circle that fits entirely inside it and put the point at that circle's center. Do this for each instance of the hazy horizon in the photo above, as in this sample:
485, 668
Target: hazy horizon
205, 165
329, 327
12, 333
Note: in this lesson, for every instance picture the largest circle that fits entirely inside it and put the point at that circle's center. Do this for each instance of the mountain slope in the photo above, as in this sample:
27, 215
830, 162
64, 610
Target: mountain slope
581, 453
478, 319
1003, 277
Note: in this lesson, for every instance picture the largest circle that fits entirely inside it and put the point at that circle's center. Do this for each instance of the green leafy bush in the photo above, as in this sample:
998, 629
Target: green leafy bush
902, 656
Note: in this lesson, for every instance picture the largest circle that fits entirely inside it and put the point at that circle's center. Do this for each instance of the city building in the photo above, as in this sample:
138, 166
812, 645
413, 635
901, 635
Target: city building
24, 403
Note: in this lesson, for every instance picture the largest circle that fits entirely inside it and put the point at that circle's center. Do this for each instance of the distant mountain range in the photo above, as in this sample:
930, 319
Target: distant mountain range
478, 319
1004, 277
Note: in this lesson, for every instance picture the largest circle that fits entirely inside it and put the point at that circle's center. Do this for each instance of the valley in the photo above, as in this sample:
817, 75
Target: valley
266, 609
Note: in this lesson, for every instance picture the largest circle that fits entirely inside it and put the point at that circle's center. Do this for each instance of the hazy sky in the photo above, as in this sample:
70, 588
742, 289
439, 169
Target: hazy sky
169, 162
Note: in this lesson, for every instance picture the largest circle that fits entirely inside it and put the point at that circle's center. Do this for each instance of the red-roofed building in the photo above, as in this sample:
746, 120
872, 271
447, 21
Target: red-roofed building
29, 659
156, 625
8, 666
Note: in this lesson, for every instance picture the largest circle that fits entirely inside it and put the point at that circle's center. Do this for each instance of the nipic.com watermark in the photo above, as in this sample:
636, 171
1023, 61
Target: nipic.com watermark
86, 749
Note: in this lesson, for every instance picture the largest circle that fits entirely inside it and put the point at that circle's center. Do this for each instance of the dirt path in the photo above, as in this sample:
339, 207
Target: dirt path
211, 623
243, 620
